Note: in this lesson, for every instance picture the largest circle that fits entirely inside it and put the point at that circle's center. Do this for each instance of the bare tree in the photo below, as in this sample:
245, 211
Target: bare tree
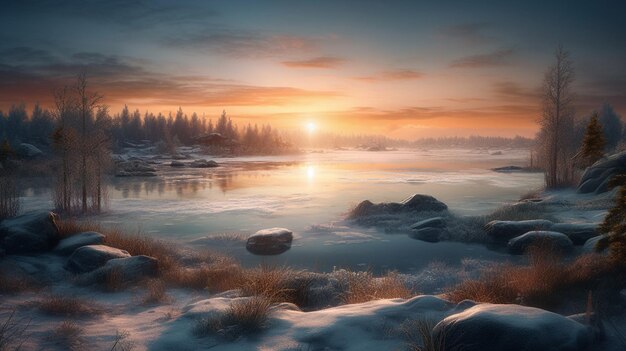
557, 120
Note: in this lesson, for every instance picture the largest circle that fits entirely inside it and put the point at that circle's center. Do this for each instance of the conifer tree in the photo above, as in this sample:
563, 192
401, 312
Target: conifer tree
615, 224
592, 148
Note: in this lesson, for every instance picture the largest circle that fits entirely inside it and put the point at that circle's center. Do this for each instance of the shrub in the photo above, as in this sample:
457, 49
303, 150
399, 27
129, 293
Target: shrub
68, 306
244, 316
13, 332
68, 335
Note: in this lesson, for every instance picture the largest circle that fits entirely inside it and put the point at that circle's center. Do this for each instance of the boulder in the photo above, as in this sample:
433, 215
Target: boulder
596, 178
435, 222
203, 164
502, 231
134, 168
127, 269
30, 233
68, 245
558, 241
177, 164
579, 233
415, 203
25, 150
273, 241
90, 257
426, 234
488, 327
590, 245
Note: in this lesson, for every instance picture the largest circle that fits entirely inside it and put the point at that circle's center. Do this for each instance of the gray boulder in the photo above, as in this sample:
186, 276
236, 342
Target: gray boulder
203, 164
435, 222
426, 234
590, 245
29, 233
134, 168
502, 231
273, 241
556, 240
90, 257
596, 178
488, 327
579, 233
177, 164
68, 245
128, 270
25, 150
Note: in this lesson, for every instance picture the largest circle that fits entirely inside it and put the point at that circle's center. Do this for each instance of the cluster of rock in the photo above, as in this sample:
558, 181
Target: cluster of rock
428, 230
195, 164
38, 233
134, 168
519, 235
596, 178
413, 204
272, 241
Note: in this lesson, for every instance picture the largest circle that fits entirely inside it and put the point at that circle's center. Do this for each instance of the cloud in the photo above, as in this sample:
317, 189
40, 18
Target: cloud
242, 44
398, 74
492, 59
470, 33
124, 80
316, 62
509, 89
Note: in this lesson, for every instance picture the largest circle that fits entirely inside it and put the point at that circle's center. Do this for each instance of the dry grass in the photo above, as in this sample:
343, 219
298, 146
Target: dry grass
542, 283
156, 292
419, 337
363, 287
67, 306
68, 336
278, 284
520, 211
12, 282
243, 317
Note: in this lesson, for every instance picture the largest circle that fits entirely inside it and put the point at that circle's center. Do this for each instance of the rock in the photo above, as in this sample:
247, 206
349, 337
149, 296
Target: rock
426, 234
203, 164
68, 245
558, 241
127, 269
590, 245
596, 178
507, 169
25, 150
435, 222
134, 168
488, 327
496, 153
579, 233
90, 257
29, 233
415, 203
273, 241
502, 231
177, 164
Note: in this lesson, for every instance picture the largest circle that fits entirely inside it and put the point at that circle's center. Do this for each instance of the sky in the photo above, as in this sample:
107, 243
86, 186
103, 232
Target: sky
405, 69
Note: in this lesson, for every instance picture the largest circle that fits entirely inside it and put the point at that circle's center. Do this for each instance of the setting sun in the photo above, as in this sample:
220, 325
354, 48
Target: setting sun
311, 127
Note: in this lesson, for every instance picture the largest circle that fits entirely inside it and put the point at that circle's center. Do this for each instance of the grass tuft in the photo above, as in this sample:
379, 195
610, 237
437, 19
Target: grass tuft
243, 317
59, 305
68, 336
363, 287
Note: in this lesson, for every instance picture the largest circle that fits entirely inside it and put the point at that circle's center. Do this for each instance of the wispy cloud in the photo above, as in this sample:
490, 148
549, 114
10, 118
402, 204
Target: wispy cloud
316, 62
492, 59
123, 79
397, 74
243, 44
470, 33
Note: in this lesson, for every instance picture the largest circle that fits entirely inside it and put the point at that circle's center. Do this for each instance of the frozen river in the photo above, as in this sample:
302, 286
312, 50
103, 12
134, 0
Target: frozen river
310, 194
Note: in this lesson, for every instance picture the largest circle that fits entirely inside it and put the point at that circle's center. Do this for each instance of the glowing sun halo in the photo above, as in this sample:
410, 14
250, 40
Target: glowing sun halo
311, 127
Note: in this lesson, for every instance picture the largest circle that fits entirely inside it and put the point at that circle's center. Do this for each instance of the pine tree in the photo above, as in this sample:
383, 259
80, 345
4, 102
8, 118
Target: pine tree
592, 148
615, 224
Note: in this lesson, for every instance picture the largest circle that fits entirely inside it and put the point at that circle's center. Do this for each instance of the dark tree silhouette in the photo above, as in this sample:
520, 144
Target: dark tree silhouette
615, 224
592, 148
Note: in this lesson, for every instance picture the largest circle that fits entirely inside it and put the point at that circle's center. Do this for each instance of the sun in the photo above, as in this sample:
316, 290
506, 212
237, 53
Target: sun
311, 127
